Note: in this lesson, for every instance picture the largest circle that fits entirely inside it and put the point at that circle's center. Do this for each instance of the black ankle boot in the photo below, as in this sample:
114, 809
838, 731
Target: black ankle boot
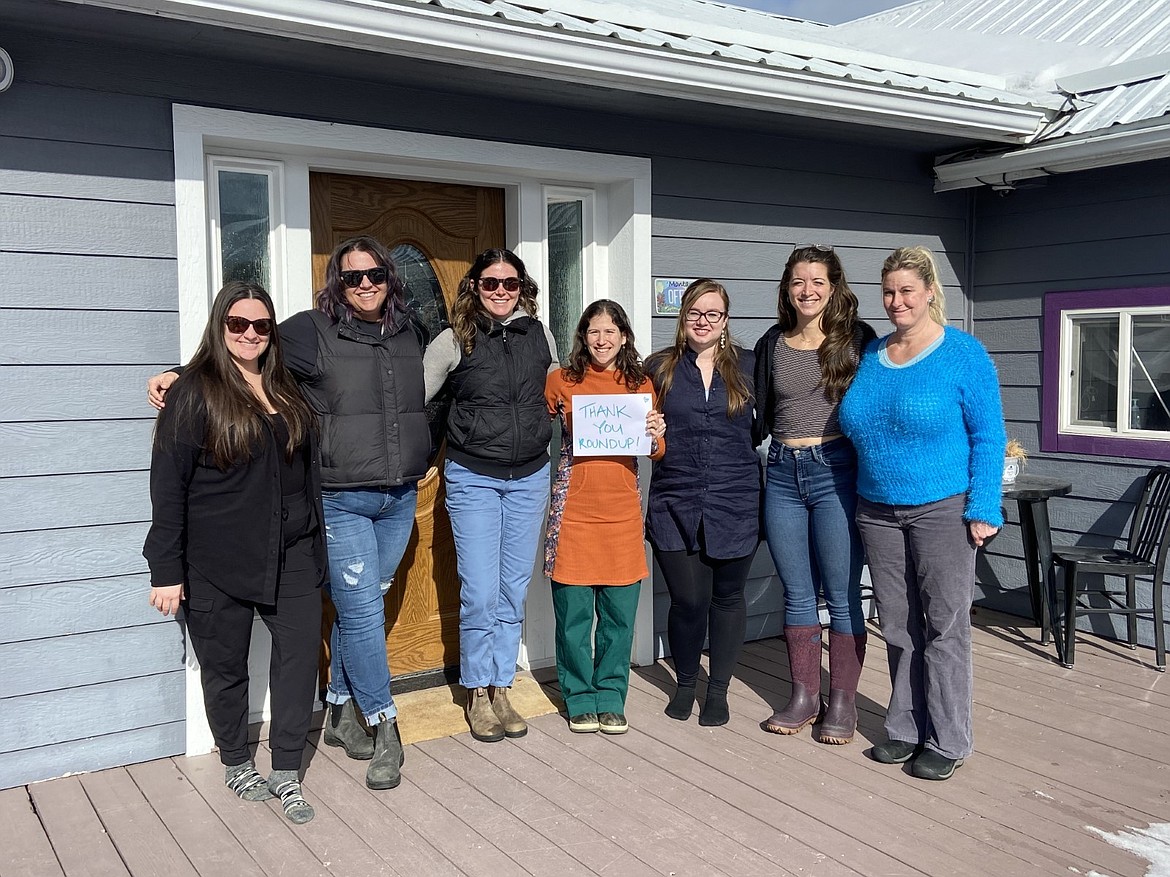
714, 711
384, 771
681, 703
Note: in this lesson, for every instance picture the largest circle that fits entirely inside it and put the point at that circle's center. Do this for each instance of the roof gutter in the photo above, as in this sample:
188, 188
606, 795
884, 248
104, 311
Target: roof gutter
1105, 148
426, 32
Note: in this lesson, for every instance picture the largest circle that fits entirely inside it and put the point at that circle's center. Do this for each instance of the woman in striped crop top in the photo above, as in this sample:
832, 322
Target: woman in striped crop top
804, 365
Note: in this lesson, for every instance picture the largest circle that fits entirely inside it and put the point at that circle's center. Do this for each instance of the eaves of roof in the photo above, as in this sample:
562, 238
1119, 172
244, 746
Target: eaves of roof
686, 67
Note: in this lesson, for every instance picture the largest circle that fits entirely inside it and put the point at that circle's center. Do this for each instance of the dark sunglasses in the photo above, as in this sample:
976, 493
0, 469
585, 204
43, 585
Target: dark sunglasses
353, 279
491, 284
239, 325
820, 248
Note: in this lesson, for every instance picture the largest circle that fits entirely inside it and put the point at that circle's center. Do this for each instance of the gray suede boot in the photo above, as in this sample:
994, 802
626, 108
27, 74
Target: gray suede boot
344, 728
385, 770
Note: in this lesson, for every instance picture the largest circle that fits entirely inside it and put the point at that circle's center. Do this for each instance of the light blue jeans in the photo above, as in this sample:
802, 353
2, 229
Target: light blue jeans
810, 500
497, 524
366, 532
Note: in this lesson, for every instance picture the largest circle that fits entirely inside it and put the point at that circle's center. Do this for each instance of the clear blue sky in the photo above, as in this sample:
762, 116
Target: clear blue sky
826, 11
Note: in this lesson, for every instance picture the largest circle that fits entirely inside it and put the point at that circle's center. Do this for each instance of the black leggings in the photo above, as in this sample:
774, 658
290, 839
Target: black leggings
706, 594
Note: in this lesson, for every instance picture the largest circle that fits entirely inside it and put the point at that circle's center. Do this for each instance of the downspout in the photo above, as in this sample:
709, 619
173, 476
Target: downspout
969, 298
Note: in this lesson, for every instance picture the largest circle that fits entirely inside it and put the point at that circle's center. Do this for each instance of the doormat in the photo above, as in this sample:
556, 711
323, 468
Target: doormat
439, 712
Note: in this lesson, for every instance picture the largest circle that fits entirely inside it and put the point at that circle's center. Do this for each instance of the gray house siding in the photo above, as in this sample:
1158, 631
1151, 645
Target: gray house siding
1100, 229
89, 310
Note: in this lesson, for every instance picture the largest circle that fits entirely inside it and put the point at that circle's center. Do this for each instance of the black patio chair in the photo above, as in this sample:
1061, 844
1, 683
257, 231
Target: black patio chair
1144, 555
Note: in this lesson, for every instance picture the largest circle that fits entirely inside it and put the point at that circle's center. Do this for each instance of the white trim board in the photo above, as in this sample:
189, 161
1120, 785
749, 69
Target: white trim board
622, 263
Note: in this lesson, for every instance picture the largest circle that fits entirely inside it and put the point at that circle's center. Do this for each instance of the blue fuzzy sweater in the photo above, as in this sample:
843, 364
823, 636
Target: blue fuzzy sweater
929, 430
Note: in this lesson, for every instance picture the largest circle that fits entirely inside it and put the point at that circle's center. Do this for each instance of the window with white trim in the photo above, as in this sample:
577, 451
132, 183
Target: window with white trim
570, 240
1110, 390
244, 198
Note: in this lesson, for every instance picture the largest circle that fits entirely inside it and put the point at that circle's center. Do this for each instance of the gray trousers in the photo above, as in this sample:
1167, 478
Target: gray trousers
922, 565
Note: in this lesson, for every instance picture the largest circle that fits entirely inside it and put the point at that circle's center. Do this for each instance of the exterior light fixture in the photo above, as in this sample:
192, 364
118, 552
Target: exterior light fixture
5, 70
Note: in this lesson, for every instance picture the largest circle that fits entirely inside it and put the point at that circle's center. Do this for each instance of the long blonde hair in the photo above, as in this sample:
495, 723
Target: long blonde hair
921, 261
662, 364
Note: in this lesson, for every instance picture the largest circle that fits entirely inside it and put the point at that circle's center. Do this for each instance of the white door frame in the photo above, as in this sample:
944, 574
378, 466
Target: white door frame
620, 263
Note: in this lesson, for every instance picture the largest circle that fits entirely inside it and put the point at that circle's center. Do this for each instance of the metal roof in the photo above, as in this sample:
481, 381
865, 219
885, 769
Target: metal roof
724, 32
1052, 46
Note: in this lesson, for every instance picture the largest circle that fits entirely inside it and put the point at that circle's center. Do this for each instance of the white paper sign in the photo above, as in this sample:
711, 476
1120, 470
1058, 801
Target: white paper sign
611, 425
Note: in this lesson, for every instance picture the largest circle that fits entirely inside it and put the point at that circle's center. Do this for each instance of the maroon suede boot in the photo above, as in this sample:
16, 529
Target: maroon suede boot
846, 656
804, 661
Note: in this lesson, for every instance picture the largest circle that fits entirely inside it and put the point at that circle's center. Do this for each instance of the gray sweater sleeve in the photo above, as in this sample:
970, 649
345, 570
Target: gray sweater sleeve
439, 360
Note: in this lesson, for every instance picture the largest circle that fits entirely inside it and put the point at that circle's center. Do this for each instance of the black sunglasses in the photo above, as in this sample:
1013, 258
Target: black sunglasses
353, 279
819, 248
239, 325
491, 284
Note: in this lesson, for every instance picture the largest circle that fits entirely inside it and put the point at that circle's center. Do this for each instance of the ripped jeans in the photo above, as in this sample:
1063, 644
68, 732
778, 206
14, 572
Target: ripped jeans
366, 533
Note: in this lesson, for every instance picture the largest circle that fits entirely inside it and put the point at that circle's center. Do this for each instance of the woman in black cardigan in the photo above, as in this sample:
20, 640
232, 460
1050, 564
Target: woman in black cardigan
236, 529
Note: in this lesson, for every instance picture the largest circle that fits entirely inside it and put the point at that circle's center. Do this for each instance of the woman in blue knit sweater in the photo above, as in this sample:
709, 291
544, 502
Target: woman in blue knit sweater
924, 414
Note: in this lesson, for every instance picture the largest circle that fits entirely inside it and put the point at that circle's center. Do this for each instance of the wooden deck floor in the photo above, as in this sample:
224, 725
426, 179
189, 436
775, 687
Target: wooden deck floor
1064, 759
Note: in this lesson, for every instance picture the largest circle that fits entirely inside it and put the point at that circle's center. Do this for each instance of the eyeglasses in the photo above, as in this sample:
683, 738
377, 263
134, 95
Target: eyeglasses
711, 317
239, 325
353, 279
820, 248
491, 284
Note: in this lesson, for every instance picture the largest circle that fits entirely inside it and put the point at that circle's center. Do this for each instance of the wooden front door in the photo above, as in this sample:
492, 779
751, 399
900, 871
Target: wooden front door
434, 230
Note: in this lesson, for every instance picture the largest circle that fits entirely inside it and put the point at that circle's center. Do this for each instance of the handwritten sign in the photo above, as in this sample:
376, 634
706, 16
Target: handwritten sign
611, 425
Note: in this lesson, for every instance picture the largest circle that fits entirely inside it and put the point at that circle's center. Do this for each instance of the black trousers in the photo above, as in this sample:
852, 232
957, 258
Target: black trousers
706, 602
220, 630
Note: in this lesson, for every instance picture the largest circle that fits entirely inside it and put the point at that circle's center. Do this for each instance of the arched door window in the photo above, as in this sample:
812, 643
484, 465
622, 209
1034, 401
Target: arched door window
424, 295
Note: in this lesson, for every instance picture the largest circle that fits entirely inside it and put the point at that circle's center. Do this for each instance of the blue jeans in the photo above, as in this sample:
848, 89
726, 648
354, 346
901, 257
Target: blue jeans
497, 524
366, 532
810, 501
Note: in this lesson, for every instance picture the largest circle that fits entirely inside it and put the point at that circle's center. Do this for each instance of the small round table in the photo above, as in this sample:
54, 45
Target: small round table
1031, 493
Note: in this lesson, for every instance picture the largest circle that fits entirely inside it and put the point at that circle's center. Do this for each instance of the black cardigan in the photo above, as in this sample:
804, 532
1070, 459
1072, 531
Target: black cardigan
226, 525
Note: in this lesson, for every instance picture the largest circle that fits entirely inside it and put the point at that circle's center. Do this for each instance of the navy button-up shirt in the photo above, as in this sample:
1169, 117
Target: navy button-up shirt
710, 475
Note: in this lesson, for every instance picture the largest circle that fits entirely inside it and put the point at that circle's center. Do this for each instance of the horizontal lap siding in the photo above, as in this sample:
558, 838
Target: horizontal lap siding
94, 677
1100, 229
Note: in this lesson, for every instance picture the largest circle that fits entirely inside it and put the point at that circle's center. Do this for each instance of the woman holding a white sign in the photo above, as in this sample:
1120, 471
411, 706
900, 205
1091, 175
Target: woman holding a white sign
606, 404
703, 515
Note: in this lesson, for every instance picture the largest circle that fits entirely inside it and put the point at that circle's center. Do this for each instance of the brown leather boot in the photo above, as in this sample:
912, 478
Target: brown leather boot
846, 657
485, 727
513, 722
804, 661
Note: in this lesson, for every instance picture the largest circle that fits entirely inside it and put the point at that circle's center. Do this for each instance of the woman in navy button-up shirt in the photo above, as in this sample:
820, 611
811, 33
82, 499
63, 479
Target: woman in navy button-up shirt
703, 518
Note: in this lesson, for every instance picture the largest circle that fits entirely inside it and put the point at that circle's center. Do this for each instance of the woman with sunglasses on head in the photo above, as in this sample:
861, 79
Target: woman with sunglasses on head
493, 360
358, 359
237, 529
804, 365
595, 501
703, 512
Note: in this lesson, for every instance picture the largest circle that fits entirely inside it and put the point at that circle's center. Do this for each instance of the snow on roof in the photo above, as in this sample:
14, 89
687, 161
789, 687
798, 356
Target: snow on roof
726, 32
1109, 60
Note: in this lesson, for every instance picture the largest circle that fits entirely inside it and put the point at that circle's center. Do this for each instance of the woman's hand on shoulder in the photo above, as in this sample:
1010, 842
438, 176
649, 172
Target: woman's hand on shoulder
981, 532
156, 389
166, 599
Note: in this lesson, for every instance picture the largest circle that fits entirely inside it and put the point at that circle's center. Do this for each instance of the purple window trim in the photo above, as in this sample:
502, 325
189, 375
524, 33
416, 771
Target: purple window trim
1051, 439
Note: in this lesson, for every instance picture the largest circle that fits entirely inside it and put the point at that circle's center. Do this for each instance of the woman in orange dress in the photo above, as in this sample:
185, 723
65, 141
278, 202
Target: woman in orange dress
596, 505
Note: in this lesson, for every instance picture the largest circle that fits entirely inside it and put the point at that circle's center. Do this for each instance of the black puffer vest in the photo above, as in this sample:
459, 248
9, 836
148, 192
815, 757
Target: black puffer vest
499, 424
368, 394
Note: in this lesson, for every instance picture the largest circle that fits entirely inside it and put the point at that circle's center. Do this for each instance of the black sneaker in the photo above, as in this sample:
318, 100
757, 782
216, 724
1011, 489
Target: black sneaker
895, 751
586, 723
932, 766
613, 723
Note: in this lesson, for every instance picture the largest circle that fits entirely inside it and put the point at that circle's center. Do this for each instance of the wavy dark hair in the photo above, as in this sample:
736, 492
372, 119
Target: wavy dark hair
235, 422
663, 363
331, 300
628, 362
468, 311
845, 334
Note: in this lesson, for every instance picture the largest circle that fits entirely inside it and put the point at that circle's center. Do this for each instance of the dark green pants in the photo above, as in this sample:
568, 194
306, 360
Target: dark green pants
593, 667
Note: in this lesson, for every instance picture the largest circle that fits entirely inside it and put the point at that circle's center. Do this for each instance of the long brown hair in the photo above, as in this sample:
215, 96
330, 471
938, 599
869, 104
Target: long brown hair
468, 310
663, 363
845, 335
628, 363
235, 422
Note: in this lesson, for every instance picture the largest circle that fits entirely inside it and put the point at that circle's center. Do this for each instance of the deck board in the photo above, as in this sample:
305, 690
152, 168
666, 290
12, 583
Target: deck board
1060, 755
